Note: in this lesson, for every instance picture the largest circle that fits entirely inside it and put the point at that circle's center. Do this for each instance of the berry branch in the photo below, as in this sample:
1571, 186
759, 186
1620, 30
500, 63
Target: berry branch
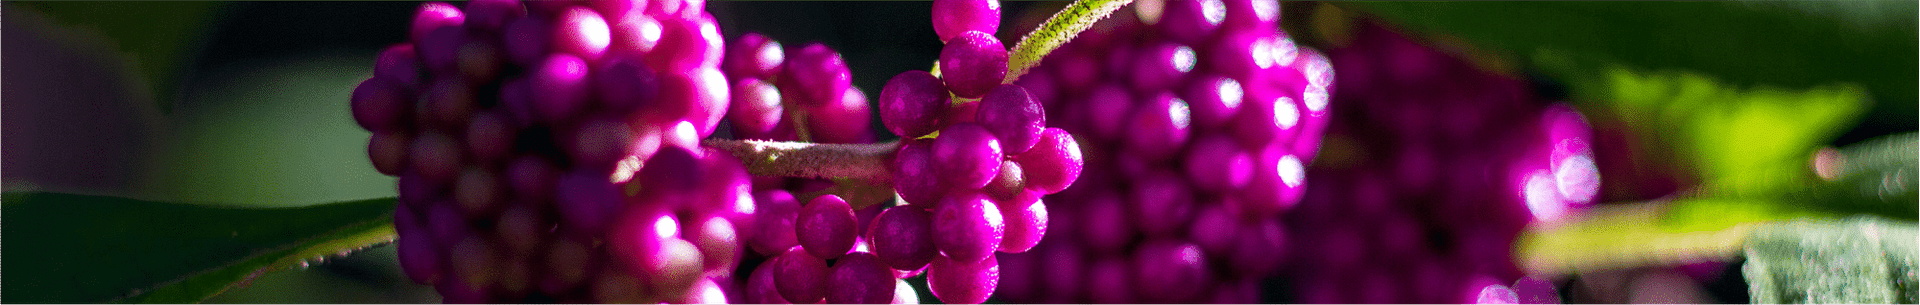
868, 161
1059, 29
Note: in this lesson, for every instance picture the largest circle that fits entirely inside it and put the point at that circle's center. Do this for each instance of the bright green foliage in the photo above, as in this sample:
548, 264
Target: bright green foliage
1854, 260
1741, 142
90, 249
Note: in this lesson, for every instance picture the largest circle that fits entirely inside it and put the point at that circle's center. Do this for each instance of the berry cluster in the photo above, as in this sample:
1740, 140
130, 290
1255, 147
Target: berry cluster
1448, 163
974, 160
547, 151
813, 252
799, 94
1198, 121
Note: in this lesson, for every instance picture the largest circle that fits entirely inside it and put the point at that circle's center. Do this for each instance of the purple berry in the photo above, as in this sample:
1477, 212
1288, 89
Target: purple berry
902, 237
800, 277
817, 73
435, 15
969, 227
911, 104
1159, 67
915, 177
634, 34
1191, 21
973, 63
1160, 124
388, 151
826, 227
966, 155
1170, 272
755, 112
380, 104
859, 278
775, 217
400, 63
951, 18
754, 56
960, 282
623, 83
1026, 224
1013, 116
559, 87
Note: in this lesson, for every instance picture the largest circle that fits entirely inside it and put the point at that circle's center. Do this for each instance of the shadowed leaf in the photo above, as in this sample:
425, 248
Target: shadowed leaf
68, 248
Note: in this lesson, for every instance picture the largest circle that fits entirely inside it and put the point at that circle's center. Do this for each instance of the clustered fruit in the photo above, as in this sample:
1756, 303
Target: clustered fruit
1197, 121
551, 151
975, 157
547, 151
812, 252
1445, 164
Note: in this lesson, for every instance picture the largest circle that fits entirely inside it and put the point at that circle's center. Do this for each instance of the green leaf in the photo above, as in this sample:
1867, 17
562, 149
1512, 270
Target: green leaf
1854, 260
1626, 235
1740, 140
1874, 177
1790, 44
1059, 29
90, 249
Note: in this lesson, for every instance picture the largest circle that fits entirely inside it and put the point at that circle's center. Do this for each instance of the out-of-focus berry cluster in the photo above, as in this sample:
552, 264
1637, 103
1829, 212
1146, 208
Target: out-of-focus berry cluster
1444, 164
547, 152
1198, 121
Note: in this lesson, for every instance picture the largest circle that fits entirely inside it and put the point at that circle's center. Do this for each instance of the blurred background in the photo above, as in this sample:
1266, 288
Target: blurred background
246, 103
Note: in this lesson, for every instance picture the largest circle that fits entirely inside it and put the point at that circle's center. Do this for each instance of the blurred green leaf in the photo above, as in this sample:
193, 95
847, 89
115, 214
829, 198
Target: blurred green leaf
1749, 141
1620, 236
1874, 177
1854, 260
1794, 45
158, 37
1877, 177
89, 249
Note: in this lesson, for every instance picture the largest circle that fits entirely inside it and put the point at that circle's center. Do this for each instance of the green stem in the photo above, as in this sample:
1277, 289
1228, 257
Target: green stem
1059, 29
866, 162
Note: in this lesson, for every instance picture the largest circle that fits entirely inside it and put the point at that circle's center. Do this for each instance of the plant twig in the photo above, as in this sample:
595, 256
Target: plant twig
868, 162
1060, 28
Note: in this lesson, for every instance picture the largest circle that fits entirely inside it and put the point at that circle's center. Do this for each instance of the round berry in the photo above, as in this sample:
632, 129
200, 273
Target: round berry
1013, 116
973, 63
911, 104
951, 18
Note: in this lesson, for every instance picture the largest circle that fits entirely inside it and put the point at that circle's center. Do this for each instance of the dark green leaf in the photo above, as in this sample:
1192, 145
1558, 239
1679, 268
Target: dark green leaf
90, 249
1855, 260
1790, 44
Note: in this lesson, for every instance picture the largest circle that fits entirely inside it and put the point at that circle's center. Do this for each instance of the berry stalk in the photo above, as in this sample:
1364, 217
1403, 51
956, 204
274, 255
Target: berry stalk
1059, 29
865, 161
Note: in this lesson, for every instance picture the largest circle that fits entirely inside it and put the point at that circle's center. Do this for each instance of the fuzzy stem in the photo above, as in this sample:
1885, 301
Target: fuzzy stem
1060, 28
868, 162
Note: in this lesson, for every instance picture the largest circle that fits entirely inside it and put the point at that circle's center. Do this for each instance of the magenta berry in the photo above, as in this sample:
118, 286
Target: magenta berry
972, 63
